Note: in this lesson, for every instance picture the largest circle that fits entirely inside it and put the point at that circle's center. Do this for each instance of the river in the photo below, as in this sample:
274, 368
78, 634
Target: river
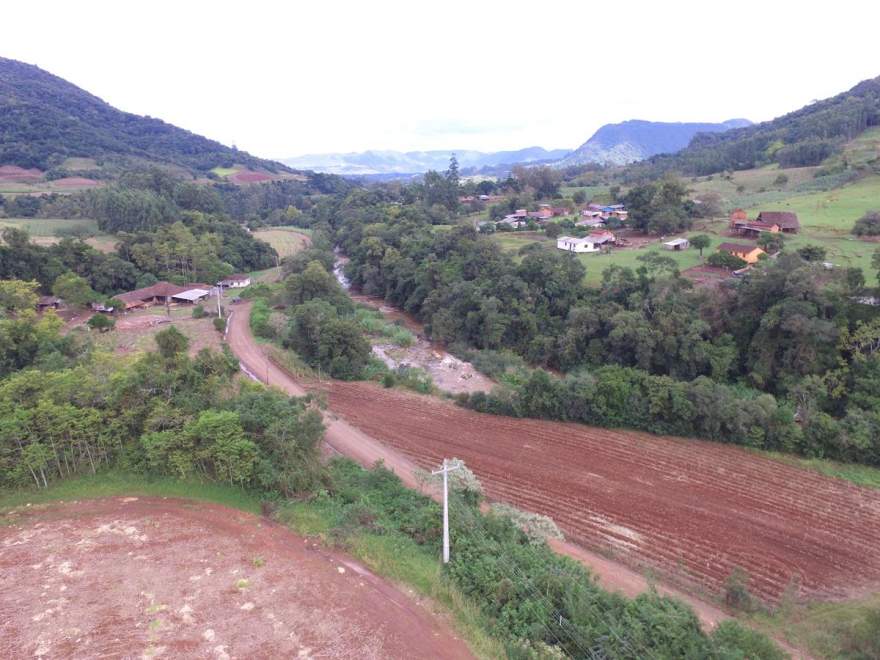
448, 372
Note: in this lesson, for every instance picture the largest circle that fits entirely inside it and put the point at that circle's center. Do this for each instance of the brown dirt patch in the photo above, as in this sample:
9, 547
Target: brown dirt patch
693, 510
706, 276
15, 174
148, 577
250, 176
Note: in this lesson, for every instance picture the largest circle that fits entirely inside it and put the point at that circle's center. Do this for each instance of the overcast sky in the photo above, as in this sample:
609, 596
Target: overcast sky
325, 76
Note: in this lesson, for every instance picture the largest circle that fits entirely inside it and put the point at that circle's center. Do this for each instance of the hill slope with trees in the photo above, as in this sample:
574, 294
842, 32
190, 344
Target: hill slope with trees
45, 120
798, 139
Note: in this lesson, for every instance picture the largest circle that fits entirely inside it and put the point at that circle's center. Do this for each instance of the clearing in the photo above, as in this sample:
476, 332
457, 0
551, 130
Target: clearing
130, 576
287, 241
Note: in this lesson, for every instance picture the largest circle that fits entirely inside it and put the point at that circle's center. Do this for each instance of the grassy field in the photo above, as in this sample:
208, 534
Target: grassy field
826, 630
225, 171
285, 240
511, 242
49, 226
48, 231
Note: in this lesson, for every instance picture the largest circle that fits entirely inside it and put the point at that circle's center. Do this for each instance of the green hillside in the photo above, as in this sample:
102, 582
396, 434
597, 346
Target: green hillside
45, 120
802, 138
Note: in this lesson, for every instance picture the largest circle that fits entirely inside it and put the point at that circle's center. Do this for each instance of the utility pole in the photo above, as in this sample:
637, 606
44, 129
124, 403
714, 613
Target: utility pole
445, 470
219, 311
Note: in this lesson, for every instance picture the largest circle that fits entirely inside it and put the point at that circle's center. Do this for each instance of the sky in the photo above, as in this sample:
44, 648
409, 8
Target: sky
281, 79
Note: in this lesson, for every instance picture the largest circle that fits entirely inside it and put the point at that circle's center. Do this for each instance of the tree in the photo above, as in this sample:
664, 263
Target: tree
171, 342
17, 295
725, 260
812, 253
101, 323
771, 242
579, 197
552, 230
701, 242
74, 290
781, 180
868, 224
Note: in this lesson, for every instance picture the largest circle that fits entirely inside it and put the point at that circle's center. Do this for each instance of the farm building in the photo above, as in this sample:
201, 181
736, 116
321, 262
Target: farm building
164, 293
738, 215
587, 244
786, 220
677, 244
753, 229
590, 221
748, 253
49, 302
237, 281
572, 244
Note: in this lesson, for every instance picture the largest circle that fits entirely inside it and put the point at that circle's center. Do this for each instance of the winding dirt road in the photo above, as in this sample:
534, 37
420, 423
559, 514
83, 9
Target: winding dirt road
350, 441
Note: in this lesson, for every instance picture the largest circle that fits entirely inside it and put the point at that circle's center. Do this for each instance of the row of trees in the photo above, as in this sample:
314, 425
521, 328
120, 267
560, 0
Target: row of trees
165, 413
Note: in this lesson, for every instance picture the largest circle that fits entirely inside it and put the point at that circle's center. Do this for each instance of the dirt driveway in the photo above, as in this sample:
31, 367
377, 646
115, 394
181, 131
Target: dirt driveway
155, 577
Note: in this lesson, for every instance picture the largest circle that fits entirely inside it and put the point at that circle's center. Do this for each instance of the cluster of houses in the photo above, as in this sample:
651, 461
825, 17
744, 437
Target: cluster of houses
767, 221
521, 217
597, 215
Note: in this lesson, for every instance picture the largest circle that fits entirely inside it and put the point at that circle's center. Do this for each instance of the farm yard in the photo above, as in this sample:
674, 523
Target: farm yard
150, 576
691, 511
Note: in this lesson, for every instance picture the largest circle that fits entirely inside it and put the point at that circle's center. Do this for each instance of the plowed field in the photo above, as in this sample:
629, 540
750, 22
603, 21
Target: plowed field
693, 510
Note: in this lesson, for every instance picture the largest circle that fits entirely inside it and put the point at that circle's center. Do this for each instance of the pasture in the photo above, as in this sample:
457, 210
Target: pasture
286, 240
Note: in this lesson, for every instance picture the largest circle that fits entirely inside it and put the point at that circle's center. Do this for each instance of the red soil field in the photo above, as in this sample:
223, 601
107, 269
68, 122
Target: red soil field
15, 174
249, 176
154, 577
691, 510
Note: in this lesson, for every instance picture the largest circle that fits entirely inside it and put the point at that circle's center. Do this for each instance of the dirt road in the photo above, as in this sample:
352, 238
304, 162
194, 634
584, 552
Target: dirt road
352, 442
156, 577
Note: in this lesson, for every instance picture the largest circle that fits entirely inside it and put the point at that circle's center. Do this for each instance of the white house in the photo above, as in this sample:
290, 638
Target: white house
572, 244
237, 281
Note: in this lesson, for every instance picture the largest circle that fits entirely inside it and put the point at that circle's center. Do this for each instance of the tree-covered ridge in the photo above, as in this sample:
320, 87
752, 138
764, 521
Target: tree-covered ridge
45, 119
801, 138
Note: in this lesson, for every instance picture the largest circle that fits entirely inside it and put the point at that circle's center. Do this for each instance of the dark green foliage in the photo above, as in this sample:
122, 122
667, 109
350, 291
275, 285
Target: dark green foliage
660, 208
812, 253
527, 593
733, 641
804, 137
102, 323
260, 319
324, 340
219, 323
199, 312
171, 342
726, 260
44, 120
868, 224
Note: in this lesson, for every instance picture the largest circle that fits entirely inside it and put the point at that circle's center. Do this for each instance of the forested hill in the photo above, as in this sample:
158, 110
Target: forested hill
799, 139
45, 119
634, 140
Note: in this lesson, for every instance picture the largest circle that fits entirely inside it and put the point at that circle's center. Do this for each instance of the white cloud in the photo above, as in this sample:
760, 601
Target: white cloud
282, 79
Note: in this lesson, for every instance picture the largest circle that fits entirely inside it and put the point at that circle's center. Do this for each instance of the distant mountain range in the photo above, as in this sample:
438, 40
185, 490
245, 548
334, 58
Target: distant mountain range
45, 120
634, 140
613, 144
369, 163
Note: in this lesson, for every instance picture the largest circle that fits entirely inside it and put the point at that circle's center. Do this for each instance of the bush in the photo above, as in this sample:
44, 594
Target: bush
260, 319
219, 324
868, 224
736, 591
732, 641
199, 312
101, 323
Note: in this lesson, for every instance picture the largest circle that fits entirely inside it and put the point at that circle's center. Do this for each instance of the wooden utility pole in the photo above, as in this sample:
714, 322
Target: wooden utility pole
445, 470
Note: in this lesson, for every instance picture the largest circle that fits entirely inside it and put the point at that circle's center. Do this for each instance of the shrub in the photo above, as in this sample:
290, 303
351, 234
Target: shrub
732, 641
219, 324
199, 312
260, 315
736, 591
101, 323
868, 224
